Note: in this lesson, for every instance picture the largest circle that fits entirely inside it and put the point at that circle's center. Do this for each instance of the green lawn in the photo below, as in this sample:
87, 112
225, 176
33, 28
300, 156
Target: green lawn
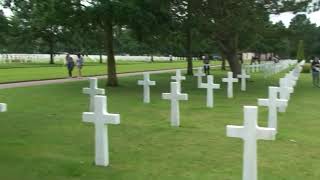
27, 72
42, 136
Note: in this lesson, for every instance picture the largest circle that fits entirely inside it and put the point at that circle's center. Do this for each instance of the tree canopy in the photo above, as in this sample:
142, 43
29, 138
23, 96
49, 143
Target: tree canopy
186, 28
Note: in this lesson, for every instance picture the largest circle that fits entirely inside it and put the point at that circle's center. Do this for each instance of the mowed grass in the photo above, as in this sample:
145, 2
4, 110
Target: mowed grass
27, 72
43, 137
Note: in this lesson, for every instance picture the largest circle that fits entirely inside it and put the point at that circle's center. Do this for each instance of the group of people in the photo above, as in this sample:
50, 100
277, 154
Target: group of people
70, 63
315, 69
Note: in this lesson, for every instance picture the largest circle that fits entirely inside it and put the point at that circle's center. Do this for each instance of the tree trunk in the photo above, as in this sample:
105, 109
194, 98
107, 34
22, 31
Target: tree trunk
111, 64
100, 55
189, 53
51, 52
235, 66
51, 58
223, 63
151, 58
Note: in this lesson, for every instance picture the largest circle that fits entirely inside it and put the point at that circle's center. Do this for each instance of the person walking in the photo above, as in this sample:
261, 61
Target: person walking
315, 70
79, 64
206, 64
70, 64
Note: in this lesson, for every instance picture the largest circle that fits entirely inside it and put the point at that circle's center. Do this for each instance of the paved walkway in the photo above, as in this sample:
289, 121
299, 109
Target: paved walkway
60, 81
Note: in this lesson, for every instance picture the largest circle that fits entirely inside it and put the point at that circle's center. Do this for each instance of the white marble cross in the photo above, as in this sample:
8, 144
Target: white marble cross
292, 78
290, 82
284, 89
257, 67
178, 77
273, 103
93, 91
3, 107
100, 117
199, 76
250, 133
146, 83
175, 96
210, 86
230, 80
284, 92
252, 68
244, 78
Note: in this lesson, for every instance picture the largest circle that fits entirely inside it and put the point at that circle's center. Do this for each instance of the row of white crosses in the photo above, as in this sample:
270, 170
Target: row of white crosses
250, 132
230, 80
270, 68
274, 68
100, 117
175, 95
146, 83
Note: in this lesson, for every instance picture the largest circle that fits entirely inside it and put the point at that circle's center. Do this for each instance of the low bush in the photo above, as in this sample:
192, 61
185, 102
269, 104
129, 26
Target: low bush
306, 68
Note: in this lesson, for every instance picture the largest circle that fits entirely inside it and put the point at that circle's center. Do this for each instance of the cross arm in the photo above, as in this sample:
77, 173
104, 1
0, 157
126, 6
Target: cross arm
183, 97
225, 80
235, 131
152, 83
263, 102
266, 133
203, 85
141, 82
100, 91
3, 107
112, 119
216, 86
166, 95
282, 103
86, 90
88, 117
290, 90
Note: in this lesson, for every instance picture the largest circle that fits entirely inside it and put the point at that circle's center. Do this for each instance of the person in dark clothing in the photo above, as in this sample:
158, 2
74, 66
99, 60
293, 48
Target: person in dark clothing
315, 70
206, 64
70, 64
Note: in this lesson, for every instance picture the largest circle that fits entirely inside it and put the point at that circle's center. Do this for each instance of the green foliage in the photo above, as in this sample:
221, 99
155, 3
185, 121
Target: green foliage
306, 68
177, 27
300, 52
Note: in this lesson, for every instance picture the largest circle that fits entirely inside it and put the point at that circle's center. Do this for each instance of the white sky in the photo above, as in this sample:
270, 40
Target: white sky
284, 17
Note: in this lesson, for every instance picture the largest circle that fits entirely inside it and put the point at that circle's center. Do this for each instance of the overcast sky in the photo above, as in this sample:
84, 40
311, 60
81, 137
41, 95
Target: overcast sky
284, 17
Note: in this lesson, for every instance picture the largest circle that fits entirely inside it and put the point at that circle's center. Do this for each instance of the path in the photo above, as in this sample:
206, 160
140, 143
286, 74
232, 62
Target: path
59, 81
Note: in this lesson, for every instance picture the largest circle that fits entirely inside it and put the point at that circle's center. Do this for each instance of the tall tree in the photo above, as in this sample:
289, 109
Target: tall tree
45, 18
237, 25
300, 52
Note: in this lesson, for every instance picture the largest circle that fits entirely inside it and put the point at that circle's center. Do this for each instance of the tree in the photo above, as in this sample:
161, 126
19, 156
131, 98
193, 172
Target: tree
245, 19
4, 26
187, 16
300, 52
238, 25
302, 29
45, 19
